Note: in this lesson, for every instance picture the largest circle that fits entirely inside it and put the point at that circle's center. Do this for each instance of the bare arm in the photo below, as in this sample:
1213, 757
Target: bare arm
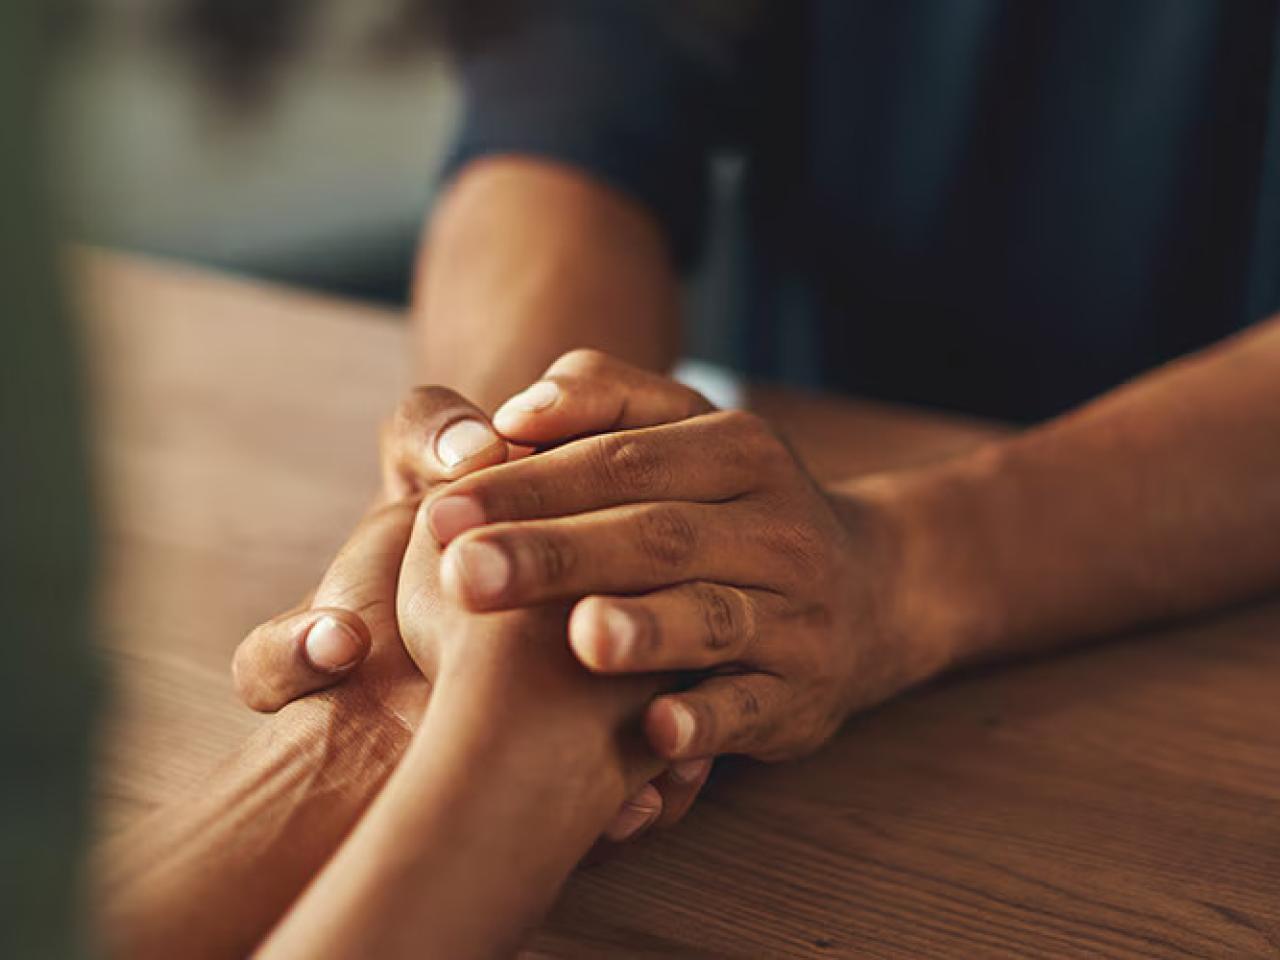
525, 259
516, 769
521, 760
1160, 499
210, 874
707, 539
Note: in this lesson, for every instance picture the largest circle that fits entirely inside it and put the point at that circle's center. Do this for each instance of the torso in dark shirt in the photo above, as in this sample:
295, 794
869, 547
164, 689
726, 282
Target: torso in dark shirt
991, 206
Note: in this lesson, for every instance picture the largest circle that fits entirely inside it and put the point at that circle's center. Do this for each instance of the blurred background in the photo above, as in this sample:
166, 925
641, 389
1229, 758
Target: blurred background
298, 146
297, 142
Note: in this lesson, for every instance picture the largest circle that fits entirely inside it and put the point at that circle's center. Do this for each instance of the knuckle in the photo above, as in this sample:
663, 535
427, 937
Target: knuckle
552, 558
800, 547
508, 498
405, 412
631, 465
667, 538
648, 630
755, 728
744, 424
418, 402
583, 361
430, 394
723, 617
749, 437
746, 702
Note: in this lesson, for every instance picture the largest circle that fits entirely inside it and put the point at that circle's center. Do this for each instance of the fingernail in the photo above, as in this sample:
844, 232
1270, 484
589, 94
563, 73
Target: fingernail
485, 568
636, 814
622, 632
451, 516
690, 771
461, 441
682, 718
537, 397
331, 646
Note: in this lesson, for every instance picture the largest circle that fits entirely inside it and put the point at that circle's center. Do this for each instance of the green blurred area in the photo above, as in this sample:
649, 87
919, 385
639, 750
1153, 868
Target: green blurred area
45, 542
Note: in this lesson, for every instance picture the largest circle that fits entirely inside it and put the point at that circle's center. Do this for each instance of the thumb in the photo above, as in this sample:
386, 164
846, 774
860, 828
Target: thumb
435, 435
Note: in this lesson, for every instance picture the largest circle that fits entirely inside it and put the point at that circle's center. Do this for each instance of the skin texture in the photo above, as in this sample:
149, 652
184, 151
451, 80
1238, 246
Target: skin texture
189, 880
704, 545
520, 262
175, 884
1012, 549
273, 665
524, 260
793, 604
699, 544
521, 759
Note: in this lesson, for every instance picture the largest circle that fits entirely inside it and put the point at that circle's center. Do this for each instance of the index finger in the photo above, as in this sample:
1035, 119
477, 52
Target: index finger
707, 459
587, 392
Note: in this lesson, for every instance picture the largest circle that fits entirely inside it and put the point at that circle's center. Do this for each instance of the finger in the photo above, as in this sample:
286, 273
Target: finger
587, 391
691, 626
628, 549
435, 435
297, 654
679, 787
638, 811
364, 574
712, 458
272, 665
741, 713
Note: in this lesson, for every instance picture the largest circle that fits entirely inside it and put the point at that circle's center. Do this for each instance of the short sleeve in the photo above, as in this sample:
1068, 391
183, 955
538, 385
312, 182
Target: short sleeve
608, 86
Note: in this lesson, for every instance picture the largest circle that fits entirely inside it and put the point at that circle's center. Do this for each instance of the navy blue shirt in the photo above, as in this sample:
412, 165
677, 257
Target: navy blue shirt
991, 206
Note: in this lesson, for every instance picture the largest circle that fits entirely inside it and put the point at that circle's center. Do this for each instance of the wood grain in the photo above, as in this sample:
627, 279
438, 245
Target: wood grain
1119, 801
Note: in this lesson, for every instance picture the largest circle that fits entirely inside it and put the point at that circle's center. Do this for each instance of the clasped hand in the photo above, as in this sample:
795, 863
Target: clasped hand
685, 541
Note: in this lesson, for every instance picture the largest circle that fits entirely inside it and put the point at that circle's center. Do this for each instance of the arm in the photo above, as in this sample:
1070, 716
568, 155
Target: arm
208, 876
576, 187
1159, 500
191, 875
516, 769
210, 873
522, 759
525, 259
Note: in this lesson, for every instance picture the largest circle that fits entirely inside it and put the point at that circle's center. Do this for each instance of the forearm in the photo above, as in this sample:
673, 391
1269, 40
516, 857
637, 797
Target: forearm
1159, 500
208, 875
524, 260
506, 785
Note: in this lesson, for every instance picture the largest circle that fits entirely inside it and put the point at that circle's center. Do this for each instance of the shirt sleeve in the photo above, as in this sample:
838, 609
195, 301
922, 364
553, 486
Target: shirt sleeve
614, 87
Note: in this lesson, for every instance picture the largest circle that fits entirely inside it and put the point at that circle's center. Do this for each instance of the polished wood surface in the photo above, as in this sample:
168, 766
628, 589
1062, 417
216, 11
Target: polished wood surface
1122, 800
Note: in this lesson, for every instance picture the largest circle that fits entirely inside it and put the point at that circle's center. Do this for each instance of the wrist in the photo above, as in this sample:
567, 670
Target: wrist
934, 550
522, 700
354, 738
526, 769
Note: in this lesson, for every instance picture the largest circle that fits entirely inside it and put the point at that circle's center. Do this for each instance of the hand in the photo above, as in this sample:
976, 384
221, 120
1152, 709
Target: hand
521, 759
698, 545
434, 436
513, 675
351, 616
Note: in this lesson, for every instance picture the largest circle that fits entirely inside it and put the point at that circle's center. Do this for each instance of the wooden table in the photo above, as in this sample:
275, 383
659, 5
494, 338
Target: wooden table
1119, 801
